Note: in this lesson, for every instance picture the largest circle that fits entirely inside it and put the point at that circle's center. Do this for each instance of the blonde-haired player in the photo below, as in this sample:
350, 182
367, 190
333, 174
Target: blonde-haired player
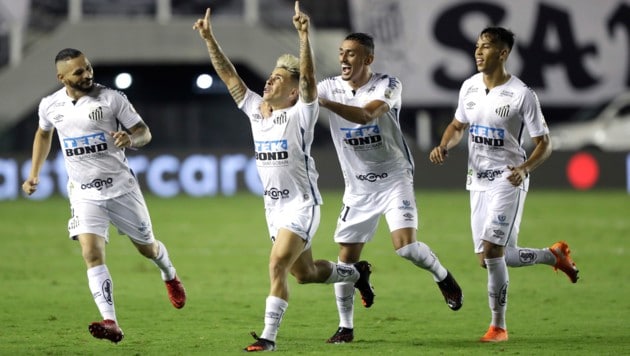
282, 123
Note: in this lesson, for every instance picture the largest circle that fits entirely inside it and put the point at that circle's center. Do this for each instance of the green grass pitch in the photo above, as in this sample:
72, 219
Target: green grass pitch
220, 249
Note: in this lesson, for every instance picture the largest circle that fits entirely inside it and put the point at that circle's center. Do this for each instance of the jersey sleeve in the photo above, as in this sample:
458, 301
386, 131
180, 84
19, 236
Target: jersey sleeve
533, 117
44, 122
389, 90
124, 110
459, 111
251, 104
322, 89
308, 113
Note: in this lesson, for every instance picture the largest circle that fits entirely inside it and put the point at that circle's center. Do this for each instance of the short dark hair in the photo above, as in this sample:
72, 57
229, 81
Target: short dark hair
499, 34
363, 39
67, 53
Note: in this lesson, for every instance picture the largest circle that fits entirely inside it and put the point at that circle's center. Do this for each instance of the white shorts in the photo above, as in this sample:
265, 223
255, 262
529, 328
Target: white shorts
495, 215
304, 222
360, 214
128, 213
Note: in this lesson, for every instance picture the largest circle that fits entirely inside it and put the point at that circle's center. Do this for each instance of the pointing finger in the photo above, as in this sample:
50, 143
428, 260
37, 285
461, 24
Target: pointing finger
207, 17
297, 7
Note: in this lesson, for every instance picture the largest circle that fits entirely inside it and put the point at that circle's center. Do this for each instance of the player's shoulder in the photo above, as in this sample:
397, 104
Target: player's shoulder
332, 80
53, 98
101, 90
520, 88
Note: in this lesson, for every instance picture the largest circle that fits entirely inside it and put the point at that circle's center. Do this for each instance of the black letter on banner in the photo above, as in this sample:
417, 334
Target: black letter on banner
447, 32
621, 18
536, 56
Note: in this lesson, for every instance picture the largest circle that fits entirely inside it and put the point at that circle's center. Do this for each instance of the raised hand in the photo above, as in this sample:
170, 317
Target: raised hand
203, 26
300, 19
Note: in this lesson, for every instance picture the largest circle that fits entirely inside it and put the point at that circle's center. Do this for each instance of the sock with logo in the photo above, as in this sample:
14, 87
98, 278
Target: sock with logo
102, 288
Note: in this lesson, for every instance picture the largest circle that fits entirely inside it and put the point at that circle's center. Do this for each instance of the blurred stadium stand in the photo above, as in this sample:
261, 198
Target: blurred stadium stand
154, 40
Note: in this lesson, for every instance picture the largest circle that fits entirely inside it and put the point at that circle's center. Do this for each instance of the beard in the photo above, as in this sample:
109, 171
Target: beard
82, 86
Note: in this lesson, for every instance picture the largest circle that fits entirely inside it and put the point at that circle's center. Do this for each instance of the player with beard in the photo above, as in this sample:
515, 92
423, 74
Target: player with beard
378, 171
95, 125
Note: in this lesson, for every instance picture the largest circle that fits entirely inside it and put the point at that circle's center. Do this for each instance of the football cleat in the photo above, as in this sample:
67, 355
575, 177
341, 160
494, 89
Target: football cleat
176, 292
106, 329
342, 335
563, 260
260, 344
363, 284
452, 292
495, 334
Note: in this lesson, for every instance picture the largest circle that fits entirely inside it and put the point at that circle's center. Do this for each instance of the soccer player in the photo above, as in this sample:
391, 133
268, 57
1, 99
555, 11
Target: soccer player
282, 123
378, 172
94, 125
494, 106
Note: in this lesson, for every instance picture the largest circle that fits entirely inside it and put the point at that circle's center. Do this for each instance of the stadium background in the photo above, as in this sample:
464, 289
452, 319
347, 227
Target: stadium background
573, 53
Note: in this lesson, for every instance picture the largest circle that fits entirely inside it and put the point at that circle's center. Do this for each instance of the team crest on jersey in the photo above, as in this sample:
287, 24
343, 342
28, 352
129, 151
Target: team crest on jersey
503, 111
281, 119
96, 114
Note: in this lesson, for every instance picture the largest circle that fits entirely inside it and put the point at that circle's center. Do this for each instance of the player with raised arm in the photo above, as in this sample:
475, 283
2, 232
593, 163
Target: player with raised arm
282, 123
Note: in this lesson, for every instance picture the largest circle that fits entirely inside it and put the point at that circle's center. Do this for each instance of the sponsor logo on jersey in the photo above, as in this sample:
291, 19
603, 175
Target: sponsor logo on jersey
490, 174
371, 177
408, 216
506, 93
488, 136
98, 184
362, 138
275, 193
472, 90
503, 111
272, 153
78, 146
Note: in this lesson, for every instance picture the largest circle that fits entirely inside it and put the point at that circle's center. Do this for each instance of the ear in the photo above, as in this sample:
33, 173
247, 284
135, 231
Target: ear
368, 60
60, 77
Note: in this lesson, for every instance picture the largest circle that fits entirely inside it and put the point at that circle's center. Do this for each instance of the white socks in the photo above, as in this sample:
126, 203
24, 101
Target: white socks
343, 272
519, 257
344, 296
102, 288
164, 262
274, 310
497, 289
421, 255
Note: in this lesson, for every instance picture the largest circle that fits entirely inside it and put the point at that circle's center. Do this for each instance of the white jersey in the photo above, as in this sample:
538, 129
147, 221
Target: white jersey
282, 147
371, 156
496, 121
96, 168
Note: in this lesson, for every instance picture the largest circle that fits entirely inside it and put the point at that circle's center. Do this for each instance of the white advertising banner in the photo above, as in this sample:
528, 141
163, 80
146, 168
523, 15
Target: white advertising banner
572, 52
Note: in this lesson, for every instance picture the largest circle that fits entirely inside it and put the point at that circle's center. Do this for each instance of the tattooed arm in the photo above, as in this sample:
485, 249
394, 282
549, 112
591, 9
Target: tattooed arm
308, 86
224, 68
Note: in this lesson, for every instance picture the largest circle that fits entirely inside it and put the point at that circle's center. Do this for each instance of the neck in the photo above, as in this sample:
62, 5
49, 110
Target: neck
496, 78
75, 94
361, 81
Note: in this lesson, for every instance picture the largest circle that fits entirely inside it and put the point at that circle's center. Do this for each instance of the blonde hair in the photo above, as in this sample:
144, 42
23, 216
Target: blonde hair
290, 63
